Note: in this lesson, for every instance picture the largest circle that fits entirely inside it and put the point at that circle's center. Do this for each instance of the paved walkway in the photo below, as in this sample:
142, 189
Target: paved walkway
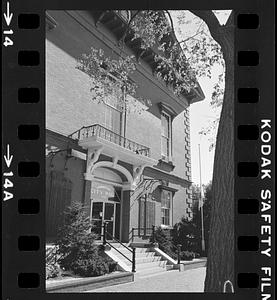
170, 281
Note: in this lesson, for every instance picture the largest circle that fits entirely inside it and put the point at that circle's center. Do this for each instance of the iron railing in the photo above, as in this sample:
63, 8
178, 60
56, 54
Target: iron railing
108, 135
143, 232
132, 251
150, 233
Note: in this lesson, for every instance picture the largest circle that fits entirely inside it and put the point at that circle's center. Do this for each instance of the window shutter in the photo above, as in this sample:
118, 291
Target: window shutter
150, 214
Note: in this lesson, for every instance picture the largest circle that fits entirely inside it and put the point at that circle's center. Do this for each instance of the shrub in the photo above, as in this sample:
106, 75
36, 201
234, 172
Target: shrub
52, 271
90, 267
112, 265
163, 238
76, 245
187, 234
187, 255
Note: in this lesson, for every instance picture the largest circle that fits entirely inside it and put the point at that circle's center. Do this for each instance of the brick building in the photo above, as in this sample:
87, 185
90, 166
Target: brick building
130, 170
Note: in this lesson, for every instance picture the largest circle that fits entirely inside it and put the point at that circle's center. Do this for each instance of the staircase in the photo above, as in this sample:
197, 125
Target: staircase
148, 262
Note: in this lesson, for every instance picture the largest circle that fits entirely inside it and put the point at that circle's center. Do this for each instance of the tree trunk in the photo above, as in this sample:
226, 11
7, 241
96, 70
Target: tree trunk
220, 263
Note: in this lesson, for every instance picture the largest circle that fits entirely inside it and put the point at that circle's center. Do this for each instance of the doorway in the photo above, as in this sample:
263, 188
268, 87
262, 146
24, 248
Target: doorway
106, 211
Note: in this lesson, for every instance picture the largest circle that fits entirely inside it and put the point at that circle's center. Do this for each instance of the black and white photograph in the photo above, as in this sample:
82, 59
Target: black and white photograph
139, 151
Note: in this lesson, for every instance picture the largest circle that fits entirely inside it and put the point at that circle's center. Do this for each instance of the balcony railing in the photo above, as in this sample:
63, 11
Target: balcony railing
109, 135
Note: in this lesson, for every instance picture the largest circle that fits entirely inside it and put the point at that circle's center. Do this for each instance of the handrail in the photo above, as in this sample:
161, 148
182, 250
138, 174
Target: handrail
133, 251
107, 134
118, 251
143, 230
118, 241
178, 247
137, 228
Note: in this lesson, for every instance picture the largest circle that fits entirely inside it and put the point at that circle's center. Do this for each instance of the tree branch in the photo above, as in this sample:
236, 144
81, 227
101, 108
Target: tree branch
191, 37
128, 25
212, 22
170, 19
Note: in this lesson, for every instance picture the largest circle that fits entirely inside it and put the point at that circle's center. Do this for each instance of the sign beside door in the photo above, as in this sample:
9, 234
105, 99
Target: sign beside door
101, 191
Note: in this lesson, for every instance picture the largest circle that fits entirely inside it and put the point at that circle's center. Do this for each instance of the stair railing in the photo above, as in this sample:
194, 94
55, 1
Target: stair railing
141, 232
178, 247
133, 250
178, 250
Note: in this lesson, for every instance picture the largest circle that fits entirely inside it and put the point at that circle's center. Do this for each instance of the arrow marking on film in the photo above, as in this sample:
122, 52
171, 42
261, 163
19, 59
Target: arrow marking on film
8, 16
8, 158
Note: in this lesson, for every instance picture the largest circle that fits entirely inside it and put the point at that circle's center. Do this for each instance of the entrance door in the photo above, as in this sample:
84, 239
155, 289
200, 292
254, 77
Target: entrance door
109, 209
105, 212
96, 217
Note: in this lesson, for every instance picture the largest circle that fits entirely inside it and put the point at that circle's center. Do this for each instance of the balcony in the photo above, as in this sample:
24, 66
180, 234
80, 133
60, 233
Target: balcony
113, 144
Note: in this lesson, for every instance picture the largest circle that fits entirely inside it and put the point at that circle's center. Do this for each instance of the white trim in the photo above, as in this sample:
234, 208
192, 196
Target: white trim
117, 167
78, 154
169, 157
170, 210
120, 215
101, 180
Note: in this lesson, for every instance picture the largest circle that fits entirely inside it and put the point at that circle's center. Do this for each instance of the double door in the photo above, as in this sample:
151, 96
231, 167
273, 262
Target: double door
105, 212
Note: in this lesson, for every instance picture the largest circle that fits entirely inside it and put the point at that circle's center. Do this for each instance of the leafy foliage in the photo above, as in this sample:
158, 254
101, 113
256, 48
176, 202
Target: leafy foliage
110, 78
187, 234
150, 27
52, 271
178, 63
188, 255
163, 238
168, 243
76, 245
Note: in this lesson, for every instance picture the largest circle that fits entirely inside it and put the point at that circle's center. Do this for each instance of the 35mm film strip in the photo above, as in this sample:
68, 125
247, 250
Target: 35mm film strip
25, 25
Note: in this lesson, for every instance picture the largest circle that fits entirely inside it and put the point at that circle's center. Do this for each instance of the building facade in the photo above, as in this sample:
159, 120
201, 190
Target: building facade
130, 170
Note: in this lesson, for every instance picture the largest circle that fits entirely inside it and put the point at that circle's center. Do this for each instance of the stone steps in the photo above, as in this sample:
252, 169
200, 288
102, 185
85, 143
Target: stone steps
147, 260
142, 259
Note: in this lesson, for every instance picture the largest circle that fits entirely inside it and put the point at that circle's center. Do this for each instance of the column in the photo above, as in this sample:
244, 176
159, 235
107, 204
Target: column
125, 216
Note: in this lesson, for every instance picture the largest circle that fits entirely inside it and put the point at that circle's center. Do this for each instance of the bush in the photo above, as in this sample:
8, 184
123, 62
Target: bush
163, 238
168, 241
90, 267
76, 245
52, 271
112, 265
187, 255
187, 234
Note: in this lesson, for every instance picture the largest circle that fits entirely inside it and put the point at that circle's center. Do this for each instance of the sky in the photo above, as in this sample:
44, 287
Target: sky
201, 114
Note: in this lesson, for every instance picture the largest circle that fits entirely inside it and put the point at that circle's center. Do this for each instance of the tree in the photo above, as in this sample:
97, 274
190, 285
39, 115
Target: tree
155, 29
220, 264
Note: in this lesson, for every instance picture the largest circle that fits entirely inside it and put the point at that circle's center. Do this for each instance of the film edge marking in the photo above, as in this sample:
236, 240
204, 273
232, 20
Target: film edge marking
265, 194
7, 175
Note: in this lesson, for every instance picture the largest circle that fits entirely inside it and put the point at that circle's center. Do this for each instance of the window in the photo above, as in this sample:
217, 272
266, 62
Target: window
166, 204
166, 136
113, 110
112, 118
